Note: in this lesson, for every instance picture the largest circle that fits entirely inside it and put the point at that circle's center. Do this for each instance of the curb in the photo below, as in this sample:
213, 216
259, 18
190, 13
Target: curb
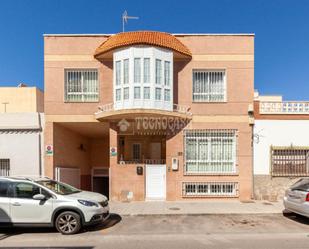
196, 214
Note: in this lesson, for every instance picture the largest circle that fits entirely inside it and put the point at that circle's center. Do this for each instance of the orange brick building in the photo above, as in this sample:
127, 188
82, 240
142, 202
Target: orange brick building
150, 115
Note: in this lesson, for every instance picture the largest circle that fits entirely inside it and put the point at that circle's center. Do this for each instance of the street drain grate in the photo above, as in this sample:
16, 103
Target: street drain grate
174, 208
267, 203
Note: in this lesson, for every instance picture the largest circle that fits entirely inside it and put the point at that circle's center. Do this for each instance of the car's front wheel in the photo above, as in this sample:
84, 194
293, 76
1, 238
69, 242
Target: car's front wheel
68, 223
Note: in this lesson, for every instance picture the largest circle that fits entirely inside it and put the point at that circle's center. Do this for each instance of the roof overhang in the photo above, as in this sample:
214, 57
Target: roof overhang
150, 38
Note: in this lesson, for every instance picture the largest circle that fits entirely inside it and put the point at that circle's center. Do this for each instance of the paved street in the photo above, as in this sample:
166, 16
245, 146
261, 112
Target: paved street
196, 207
174, 231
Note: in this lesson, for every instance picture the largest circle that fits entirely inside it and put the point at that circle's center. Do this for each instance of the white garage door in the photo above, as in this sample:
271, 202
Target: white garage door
156, 182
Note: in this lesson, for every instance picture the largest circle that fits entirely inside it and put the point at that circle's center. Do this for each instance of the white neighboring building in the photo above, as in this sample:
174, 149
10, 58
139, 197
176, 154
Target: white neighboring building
281, 145
21, 133
286, 133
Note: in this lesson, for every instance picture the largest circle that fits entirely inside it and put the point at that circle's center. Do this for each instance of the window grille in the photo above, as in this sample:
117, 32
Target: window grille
289, 161
81, 85
210, 151
136, 151
209, 86
137, 70
158, 71
4, 167
210, 189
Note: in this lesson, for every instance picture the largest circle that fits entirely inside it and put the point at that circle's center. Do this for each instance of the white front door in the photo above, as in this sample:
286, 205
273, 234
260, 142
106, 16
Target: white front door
156, 182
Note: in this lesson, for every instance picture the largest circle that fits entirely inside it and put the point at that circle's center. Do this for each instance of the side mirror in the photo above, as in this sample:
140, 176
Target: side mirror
39, 197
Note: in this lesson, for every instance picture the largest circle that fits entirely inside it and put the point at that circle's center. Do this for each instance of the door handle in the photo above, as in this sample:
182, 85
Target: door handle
16, 204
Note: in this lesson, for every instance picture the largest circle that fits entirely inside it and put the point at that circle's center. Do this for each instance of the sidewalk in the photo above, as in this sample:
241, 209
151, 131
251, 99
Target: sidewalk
195, 207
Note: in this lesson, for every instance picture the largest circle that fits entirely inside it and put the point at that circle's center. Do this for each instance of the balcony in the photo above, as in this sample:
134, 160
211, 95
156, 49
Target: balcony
109, 111
284, 107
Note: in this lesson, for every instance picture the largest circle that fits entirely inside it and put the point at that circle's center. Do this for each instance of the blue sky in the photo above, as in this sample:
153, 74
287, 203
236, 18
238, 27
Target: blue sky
281, 28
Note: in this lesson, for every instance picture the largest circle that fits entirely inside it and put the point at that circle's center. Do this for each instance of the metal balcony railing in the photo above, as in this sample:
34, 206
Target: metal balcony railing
284, 107
143, 161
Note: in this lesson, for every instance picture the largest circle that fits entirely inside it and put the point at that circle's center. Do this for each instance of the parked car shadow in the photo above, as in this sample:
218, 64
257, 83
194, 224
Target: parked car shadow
113, 220
296, 217
6, 232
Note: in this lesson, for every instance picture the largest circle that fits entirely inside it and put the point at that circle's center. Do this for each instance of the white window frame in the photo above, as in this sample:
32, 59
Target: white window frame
205, 95
165, 94
211, 165
126, 93
149, 92
118, 72
167, 73
158, 90
126, 71
137, 92
137, 70
80, 96
146, 70
147, 56
158, 71
118, 94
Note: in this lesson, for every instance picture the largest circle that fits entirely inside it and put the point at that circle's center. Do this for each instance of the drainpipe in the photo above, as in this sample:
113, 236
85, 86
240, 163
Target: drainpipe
252, 161
40, 145
251, 123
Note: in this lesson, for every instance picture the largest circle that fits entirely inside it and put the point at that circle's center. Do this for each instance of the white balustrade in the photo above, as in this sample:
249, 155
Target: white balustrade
285, 107
176, 108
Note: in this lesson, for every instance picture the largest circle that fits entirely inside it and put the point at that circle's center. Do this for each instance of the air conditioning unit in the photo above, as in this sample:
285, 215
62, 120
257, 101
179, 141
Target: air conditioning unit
174, 163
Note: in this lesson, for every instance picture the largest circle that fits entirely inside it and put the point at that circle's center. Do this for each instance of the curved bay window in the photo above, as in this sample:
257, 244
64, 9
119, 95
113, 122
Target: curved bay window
143, 78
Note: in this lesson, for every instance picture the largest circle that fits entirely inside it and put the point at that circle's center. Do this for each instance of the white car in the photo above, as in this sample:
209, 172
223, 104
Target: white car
45, 202
296, 198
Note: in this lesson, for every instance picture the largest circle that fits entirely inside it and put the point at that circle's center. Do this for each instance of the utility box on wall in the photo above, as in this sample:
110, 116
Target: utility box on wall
174, 163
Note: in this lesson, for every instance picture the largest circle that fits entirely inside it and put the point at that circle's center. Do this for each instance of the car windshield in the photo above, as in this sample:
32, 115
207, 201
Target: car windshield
59, 187
302, 184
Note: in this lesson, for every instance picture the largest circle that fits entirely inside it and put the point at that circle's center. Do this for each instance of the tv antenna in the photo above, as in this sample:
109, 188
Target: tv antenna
5, 104
125, 19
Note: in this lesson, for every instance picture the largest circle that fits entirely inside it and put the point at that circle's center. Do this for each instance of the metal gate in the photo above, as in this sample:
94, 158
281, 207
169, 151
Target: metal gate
68, 175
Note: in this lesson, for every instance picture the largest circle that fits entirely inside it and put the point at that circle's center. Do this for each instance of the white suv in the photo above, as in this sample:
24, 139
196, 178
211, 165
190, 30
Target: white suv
45, 202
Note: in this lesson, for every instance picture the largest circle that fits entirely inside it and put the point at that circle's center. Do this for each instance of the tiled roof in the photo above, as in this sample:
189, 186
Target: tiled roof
160, 39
